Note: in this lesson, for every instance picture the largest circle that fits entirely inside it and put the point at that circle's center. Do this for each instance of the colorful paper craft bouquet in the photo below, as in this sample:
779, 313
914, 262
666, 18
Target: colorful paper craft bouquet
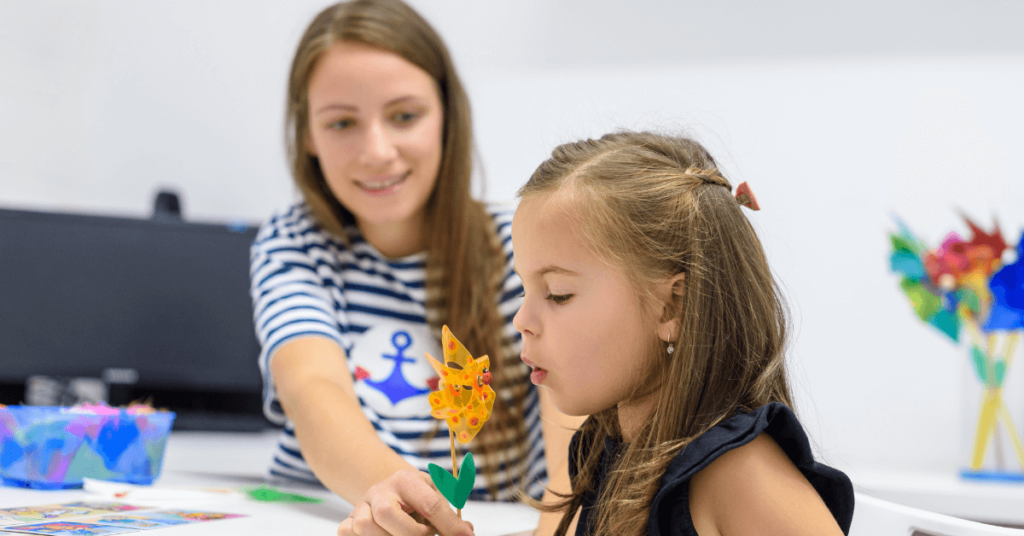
464, 399
963, 287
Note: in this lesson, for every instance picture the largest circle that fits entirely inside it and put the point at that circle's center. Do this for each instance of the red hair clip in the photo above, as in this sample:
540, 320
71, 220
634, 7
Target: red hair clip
745, 196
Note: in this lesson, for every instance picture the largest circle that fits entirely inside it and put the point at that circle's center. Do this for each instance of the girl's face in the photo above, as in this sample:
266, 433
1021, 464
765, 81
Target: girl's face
375, 124
583, 331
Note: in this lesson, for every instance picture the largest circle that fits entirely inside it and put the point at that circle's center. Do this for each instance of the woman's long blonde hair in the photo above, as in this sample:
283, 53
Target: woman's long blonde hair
655, 206
465, 262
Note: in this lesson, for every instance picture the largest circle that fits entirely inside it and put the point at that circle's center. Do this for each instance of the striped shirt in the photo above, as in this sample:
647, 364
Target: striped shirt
307, 283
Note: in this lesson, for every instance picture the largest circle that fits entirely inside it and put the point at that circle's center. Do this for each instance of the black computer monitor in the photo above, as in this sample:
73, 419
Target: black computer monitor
160, 307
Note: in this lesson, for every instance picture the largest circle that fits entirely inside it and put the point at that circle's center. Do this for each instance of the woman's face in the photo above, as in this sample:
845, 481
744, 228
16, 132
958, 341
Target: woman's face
583, 331
375, 124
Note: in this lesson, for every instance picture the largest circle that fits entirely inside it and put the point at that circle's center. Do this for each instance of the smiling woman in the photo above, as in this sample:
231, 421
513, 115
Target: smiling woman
352, 285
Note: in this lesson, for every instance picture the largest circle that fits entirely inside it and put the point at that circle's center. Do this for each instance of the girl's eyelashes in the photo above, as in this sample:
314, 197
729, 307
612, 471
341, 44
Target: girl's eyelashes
559, 299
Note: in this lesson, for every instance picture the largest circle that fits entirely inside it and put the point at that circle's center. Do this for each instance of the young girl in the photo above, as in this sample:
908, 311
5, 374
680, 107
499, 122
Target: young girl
650, 307
351, 285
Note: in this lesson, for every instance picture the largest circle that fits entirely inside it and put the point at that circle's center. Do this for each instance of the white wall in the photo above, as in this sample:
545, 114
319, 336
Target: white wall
839, 114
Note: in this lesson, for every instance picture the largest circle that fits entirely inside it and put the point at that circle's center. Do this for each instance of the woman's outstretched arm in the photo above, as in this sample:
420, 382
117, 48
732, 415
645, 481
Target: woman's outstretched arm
341, 446
338, 441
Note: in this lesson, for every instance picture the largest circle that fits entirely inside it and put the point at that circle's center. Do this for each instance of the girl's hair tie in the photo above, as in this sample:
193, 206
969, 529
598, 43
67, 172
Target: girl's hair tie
745, 197
711, 177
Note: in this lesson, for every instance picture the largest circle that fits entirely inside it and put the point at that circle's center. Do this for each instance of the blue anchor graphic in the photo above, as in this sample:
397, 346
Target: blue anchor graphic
396, 387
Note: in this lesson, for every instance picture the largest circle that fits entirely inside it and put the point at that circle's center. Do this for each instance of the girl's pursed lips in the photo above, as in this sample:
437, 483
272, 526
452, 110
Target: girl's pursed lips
531, 364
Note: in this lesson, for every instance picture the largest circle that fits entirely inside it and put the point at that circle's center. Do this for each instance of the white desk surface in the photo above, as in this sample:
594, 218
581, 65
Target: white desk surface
232, 460
947, 493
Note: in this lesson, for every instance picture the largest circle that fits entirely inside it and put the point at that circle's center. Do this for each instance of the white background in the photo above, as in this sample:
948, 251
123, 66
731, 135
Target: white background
839, 115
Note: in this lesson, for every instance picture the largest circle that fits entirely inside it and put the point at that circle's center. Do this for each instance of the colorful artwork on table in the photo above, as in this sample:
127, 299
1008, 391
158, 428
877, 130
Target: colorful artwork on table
87, 518
68, 528
464, 399
193, 516
144, 521
64, 511
103, 506
963, 288
36, 513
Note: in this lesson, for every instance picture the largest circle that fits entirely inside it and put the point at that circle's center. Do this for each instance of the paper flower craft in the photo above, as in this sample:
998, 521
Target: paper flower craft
464, 399
963, 286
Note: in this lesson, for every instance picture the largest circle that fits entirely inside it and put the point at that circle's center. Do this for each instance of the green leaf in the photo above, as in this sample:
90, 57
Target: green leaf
978, 358
444, 481
467, 477
456, 491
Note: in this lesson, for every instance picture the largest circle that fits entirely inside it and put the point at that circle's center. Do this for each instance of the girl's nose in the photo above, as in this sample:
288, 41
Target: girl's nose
522, 321
378, 147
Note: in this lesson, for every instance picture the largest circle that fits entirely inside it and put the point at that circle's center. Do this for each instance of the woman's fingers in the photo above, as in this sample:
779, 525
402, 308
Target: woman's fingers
404, 504
415, 490
388, 514
361, 523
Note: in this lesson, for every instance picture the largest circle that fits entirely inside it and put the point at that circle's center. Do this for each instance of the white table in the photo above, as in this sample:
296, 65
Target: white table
231, 460
947, 493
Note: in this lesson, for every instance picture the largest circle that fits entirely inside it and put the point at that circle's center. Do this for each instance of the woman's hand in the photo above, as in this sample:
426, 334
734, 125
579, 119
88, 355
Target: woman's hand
404, 504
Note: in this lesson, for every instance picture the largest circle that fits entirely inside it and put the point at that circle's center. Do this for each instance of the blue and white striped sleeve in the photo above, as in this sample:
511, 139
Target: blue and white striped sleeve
290, 299
510, 298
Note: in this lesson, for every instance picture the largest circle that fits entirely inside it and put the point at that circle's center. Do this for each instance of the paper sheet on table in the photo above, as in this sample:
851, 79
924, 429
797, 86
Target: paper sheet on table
157, 495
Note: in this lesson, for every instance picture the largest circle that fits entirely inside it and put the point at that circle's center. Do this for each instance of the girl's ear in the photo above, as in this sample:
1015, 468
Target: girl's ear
671, 298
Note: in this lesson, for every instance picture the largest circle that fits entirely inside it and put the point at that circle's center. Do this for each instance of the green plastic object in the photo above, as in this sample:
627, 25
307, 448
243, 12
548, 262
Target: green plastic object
456, 491
993, 379
980, 369
926, 304
947, 323
266, 493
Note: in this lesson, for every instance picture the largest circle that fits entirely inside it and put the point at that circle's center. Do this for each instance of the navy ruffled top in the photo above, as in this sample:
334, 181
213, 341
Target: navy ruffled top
670, 508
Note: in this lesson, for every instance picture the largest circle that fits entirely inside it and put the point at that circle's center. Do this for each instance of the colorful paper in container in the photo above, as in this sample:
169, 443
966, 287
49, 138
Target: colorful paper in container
45, 447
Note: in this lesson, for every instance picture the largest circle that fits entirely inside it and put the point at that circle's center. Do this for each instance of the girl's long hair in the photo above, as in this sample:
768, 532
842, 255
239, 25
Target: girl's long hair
465, 262
655, 206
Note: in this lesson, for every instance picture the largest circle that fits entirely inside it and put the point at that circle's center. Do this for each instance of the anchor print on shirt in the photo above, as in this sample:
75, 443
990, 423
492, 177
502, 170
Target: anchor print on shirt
392, 378
395, 386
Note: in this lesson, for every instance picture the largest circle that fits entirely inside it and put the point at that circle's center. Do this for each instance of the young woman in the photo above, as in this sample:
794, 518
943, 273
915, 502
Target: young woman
351, 285
650, 307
